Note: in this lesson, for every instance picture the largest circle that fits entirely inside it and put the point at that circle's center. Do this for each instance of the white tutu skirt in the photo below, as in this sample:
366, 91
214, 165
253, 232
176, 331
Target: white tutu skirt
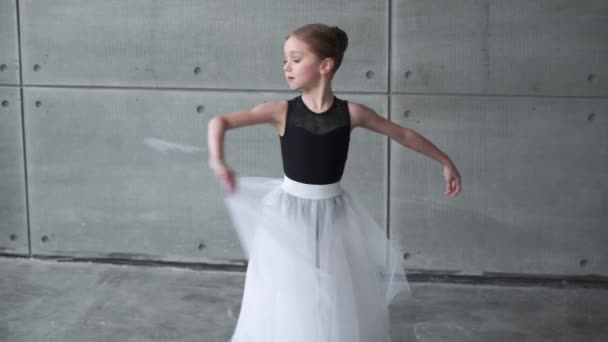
320, 269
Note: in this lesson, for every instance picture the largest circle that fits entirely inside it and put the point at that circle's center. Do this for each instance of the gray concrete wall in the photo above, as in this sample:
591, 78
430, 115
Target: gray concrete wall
105, 106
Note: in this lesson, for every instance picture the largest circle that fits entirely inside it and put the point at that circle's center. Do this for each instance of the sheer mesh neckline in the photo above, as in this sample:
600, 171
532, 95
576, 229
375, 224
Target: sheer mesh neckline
334, 117
333, 104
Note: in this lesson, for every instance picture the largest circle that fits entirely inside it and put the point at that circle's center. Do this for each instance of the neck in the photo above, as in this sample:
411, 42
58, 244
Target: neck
319, 98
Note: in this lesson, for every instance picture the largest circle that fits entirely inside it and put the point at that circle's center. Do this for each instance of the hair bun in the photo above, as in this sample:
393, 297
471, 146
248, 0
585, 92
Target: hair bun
341, 37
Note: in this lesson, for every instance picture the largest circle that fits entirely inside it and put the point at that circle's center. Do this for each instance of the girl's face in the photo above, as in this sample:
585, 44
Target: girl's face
301, 66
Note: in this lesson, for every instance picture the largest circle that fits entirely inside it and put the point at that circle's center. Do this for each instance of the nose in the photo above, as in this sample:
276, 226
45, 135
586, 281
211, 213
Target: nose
286, 66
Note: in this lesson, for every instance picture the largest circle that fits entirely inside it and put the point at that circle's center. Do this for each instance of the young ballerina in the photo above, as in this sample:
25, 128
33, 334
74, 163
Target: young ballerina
319, 268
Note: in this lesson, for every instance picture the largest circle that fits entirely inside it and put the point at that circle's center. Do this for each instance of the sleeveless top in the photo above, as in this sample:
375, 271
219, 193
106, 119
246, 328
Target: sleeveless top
314, 146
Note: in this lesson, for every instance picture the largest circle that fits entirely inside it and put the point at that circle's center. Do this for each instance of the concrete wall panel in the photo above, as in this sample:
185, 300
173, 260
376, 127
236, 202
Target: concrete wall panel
123, 173
500, 47
9, 55
13, 221
534, 194
208, 44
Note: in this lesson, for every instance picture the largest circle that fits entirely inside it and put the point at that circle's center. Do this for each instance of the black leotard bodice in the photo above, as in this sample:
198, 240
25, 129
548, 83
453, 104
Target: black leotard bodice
314, 146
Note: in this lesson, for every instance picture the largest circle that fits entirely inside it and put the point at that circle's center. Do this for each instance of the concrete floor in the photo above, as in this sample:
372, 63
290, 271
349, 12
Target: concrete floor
44, 300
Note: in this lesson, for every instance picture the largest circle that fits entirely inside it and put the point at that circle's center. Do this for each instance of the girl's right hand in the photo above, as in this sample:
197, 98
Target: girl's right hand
225, 176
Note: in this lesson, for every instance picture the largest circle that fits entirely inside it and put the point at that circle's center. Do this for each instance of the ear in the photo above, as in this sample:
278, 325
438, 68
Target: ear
327, 66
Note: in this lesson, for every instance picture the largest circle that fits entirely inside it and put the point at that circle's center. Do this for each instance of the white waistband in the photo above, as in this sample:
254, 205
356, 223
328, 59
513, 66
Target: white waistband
311, 191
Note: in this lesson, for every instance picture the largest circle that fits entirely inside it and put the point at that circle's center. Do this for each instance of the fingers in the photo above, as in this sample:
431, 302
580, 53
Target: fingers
226, 178
453, 187
229, 181
448, 186
457, 187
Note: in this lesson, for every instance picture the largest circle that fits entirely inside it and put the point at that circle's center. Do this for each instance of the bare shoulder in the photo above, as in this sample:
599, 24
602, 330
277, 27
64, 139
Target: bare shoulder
360, 114
363, 116
271, 109
275, 111
267, 112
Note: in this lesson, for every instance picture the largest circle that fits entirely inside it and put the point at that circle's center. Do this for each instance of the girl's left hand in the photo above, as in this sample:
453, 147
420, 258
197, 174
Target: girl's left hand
452, 180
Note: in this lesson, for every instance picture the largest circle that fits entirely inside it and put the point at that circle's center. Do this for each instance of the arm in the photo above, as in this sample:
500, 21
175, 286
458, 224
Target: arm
364, 116
263, 113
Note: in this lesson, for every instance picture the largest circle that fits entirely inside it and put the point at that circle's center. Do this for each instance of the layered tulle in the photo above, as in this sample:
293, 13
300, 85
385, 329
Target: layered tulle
318, 269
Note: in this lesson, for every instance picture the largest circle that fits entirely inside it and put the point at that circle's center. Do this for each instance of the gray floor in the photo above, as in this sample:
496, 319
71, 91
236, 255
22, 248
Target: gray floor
43, 300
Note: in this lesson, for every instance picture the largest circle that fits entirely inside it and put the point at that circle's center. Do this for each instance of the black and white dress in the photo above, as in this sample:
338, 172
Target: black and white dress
320, 269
